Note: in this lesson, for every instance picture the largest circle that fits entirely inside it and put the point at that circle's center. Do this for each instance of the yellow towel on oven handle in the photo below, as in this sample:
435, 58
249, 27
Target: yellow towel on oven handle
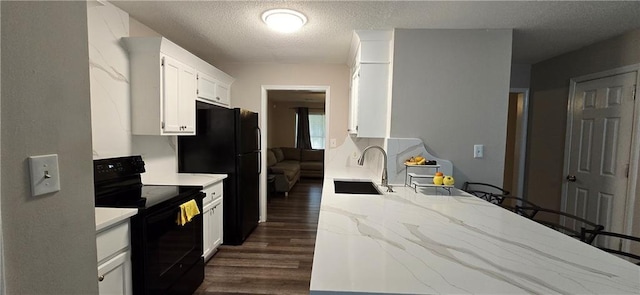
187, 211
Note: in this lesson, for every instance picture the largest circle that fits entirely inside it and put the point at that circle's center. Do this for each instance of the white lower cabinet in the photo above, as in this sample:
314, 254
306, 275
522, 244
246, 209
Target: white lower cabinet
114, 276
212, 236
216, 228
207, 245
114, 260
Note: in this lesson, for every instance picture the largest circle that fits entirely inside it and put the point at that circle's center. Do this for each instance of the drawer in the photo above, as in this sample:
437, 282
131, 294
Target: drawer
112, 240
212, 192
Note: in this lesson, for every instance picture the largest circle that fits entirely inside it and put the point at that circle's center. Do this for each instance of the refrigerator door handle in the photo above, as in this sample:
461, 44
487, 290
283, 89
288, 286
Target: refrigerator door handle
259, 162
259, 138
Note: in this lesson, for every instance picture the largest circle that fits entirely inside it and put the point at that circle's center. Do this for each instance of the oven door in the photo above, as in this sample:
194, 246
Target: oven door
171, 250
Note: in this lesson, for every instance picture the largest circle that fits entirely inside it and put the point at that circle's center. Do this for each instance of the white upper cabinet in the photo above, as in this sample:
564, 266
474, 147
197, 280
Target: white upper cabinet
165, 84
370, 95
213, 91
178, 96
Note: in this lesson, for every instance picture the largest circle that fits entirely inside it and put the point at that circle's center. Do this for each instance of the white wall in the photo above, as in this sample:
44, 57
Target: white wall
1, 242
49, 240
246, 90
450, 89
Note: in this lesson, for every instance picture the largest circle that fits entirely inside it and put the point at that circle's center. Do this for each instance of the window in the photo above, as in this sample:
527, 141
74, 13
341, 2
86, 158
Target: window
316, 130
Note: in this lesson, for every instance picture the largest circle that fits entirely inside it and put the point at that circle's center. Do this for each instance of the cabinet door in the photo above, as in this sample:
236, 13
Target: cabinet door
207, 230
373, 87
187, 105
206, 87
212, 90
114, 276
178, 94
216, 231
353, 101
222, 93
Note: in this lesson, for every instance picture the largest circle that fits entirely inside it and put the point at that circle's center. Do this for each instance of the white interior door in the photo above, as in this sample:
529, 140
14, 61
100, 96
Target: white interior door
599, 154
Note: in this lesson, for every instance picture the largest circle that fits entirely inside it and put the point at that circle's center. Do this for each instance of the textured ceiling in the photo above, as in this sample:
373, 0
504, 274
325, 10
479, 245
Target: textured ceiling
232, 31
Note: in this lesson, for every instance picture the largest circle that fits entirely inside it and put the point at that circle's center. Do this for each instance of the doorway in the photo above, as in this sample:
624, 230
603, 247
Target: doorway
283, 119
599, 159
283, 95
516, 142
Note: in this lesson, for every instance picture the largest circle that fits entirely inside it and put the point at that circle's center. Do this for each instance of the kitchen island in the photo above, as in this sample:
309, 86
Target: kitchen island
432, 243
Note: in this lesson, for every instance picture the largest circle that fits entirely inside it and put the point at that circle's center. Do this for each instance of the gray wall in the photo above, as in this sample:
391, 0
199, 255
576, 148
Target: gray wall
49, 241
548, 109
450, 89
520, 76
2, 292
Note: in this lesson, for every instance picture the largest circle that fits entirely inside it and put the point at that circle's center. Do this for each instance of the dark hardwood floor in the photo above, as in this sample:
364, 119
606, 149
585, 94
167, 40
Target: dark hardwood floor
277, 257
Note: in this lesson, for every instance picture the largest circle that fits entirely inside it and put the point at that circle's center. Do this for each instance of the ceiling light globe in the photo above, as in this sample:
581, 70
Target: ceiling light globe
284, 20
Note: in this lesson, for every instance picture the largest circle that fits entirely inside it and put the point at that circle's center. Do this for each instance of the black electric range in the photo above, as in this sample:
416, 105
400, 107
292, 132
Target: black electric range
166, 257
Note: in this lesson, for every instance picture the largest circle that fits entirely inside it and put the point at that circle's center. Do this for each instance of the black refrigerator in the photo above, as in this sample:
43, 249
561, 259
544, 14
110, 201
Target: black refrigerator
227, 141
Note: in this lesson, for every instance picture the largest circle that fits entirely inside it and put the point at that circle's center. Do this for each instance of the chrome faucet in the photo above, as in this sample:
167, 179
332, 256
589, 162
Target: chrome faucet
384, 168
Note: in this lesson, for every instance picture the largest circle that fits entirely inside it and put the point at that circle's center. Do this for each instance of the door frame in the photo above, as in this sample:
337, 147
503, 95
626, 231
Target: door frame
634, 161
264, 111
523, 145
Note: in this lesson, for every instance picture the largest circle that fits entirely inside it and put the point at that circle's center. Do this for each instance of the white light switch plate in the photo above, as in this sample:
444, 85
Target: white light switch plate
45, 177
332, 143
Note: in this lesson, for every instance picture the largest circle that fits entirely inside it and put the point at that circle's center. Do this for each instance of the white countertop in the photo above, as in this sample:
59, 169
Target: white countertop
187, 179
106, 217
414, 243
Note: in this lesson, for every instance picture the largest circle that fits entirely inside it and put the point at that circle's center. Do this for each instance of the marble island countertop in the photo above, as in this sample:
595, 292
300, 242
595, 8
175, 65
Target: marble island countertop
432, 243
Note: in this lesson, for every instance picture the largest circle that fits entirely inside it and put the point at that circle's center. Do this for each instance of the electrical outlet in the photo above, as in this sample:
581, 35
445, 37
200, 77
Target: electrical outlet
478, 151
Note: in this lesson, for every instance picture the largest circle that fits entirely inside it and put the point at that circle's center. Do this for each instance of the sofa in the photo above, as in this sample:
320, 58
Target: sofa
286, 165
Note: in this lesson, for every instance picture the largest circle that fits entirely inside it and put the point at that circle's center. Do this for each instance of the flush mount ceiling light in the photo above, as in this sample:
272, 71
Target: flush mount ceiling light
284, 20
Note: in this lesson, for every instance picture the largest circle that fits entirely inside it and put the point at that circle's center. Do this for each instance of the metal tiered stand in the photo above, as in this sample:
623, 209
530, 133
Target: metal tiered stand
410, 178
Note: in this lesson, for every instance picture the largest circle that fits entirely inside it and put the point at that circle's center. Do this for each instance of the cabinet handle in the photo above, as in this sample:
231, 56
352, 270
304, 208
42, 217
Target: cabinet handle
218, 98
101, 278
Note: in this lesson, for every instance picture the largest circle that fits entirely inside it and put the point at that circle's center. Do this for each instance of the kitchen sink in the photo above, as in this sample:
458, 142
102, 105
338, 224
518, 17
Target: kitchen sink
356, 187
